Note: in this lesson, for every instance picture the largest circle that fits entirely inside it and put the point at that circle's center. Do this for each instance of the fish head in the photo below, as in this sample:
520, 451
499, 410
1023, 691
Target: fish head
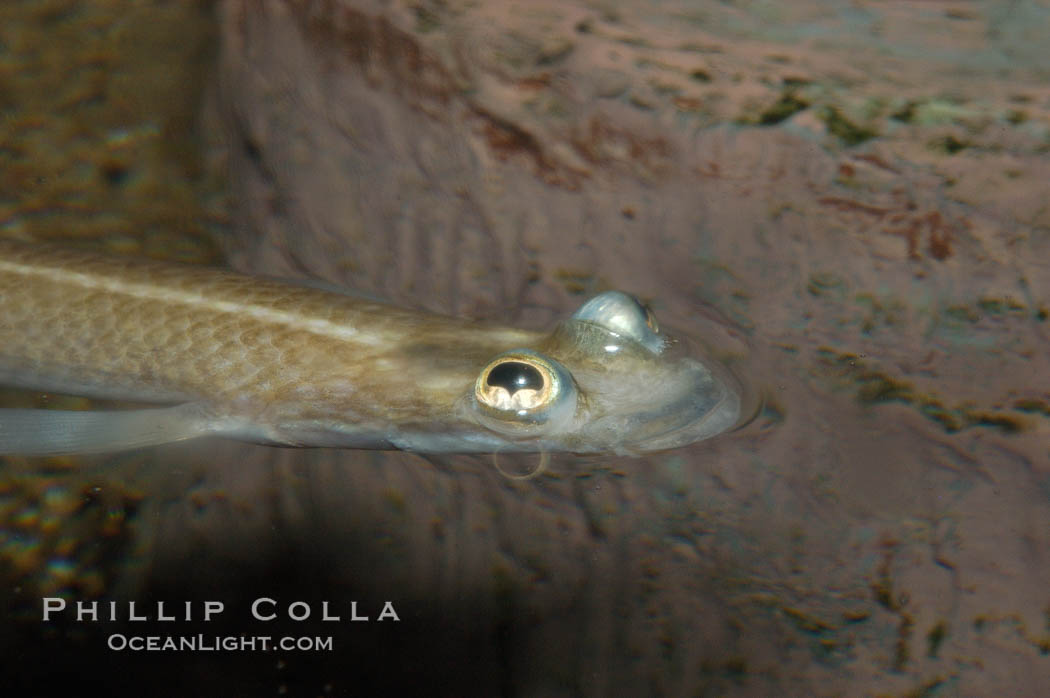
607, 379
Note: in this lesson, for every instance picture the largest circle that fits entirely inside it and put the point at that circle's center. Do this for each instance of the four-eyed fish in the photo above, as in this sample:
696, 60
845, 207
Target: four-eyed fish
219, 353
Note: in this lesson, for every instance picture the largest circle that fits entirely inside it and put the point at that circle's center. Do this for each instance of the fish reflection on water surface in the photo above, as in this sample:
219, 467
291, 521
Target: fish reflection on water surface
265, 361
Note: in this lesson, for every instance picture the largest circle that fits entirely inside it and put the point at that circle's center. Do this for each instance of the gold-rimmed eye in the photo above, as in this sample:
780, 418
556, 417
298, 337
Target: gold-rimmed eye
523, 389
514, 384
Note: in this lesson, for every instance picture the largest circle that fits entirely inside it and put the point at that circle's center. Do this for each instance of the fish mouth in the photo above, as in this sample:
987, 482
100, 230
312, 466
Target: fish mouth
713, 400
717, 419
705, 411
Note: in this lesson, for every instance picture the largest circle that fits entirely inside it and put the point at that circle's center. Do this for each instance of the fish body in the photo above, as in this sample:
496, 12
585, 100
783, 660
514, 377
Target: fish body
263, 360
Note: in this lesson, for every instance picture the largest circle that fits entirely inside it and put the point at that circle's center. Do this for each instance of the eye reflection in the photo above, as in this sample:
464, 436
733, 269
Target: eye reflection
515, 384
523, 389
514, 376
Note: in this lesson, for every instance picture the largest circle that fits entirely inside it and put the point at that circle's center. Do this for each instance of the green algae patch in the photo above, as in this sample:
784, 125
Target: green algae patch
880, 312
906, 113
962, 313
875, 387
949, 420
988, 308
842, 128
949, 145
1001, 306
806, 622
935, 638
784, 108
426, 20
1004, 422
700, 75
824, 283
1032, 405
937, 112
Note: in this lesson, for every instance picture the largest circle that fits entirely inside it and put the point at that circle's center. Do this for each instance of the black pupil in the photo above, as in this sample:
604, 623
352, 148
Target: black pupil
515, 376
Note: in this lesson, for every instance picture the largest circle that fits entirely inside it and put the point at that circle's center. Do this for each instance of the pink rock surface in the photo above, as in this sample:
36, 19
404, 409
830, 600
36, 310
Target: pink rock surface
849, 199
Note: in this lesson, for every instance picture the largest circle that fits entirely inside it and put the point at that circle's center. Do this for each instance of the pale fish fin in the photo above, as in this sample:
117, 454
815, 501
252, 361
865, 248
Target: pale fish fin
28, 432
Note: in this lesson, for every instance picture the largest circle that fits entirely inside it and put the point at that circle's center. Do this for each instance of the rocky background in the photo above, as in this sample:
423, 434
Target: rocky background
849, 200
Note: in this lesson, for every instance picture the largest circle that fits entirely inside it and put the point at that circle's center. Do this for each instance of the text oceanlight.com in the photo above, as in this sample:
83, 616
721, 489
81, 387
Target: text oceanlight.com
216, 643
